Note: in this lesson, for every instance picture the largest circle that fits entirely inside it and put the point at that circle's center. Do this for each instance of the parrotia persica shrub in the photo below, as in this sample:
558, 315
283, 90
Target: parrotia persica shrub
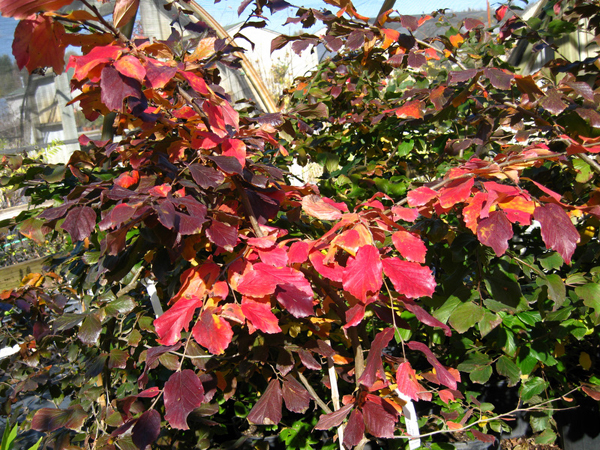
450, 244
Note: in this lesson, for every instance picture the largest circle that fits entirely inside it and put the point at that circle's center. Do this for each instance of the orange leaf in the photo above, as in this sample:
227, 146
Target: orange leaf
456, 40
124, 11
454, 425
389, 37
131, 67
204, 49
410, 110
39, 43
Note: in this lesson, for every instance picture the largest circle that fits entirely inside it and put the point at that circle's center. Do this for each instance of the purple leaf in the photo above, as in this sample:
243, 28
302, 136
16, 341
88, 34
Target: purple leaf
553, 103
80, 222
558, 232
183, 393
115, 88
206, 177
296, 397
443, 375
416, 60
380, 417
146, 429
222, 235
308, 360
355, 429
333, 419
495, 231
424, 317
50, 419
461, 76
267, 410
297, 301
227, 164
498, 78
374, 364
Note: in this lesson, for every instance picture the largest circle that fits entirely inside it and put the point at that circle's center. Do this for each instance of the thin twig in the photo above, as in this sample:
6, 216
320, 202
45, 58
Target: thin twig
359, 359
313, 394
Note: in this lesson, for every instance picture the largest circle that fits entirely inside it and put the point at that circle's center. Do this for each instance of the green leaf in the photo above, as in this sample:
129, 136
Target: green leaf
532, 387
474, 361
546, 437
36, 445
405, 147
488, 322
590, 293
551, 261
557, 291
122, 305
90, 329
507, 368
558, 27
466, 316
443, 313
9, 436
526, 361
505, 292
481, 375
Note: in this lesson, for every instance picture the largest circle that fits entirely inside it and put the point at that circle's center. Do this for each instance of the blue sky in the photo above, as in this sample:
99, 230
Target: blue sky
225, 12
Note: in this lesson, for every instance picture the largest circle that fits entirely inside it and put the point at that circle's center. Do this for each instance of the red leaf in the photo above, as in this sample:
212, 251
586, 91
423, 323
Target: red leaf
199, 85
443, 375
195, 281
158, 73
406, 214
406, 378
362, 274
380, 417
22, 9
50, 419
260, 315
355, 429
424, 317
501, 12
558, 232
183, 393
495, 231
333, 419
146, 429
446, 395
332, 271
212, 332
98, 55
410, 279
354, 315
374, 365
222, 234
308, 361
267, 410
125, 10
483, 437
277, 257
296, 300
314, 206
411, 110
127, 179
178, 317
410, 246
80, 222
298, 252
131, 67
421, 196
297, 399
235, 148
456, 191
38, 43
115, 88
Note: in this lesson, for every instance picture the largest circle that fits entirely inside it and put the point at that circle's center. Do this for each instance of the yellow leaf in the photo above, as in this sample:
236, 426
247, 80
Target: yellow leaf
585, 361
559, 350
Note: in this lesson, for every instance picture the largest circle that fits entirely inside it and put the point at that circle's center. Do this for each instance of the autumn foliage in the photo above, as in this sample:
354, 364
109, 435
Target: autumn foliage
447, 242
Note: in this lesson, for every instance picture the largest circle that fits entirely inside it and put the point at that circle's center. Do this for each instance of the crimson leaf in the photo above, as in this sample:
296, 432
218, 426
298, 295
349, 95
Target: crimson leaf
374, 364
212, 332
333, 419
297, 399
80, 223
355, 429
267, 410
380, 417
260, 316
495, 231
363, 273
146, 429
558, 232
443, 375
183, 393
178, 317
410, 279
115, 88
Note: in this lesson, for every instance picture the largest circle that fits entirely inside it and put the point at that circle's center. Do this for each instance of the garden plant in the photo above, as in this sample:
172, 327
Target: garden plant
206, 300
